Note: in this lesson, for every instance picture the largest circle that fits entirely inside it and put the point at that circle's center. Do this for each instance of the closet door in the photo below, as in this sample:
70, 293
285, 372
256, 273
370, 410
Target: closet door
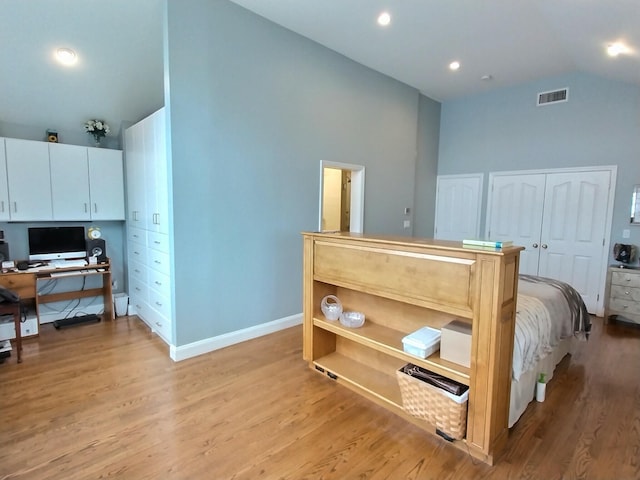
515, 208
458, 206
573, 230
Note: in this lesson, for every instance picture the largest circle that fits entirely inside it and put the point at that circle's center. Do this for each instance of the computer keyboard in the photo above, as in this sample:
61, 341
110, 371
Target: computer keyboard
68, 263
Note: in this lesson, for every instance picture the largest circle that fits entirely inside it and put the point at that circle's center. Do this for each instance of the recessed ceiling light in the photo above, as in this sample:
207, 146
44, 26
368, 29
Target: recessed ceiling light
66, 56
615, 49
384, 19
454, 65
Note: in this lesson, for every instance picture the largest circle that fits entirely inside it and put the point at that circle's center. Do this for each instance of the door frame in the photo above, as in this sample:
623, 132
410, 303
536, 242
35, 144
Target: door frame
604, 261
356, 224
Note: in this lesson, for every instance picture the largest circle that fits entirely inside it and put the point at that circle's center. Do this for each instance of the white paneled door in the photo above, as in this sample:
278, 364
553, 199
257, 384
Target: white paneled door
561, 219
458, 206
516, 204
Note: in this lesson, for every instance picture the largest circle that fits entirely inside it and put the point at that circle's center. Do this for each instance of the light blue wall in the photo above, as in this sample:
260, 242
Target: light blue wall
426, 167
253, 110
504, 130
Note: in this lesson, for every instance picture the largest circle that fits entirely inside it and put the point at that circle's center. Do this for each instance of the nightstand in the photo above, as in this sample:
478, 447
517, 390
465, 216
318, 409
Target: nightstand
622, 296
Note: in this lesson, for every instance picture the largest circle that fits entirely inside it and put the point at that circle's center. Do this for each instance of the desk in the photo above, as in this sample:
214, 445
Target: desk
24, 283
14, 309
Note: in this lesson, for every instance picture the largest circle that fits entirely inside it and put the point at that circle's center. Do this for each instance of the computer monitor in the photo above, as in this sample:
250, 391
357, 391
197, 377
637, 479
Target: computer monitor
53, 243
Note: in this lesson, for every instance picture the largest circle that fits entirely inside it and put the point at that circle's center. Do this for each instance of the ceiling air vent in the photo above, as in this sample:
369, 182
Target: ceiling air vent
556, 96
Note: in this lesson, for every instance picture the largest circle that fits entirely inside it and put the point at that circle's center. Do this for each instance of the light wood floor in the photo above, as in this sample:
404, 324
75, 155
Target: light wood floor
105, 400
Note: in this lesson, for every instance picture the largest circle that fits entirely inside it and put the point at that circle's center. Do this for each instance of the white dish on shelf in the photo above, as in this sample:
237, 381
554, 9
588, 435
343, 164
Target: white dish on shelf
352, 319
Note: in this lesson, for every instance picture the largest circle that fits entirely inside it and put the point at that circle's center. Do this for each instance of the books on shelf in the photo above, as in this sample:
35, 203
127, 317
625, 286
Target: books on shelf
487, 243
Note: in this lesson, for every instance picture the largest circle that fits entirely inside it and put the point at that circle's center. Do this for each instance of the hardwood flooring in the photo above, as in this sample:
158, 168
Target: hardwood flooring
106, 401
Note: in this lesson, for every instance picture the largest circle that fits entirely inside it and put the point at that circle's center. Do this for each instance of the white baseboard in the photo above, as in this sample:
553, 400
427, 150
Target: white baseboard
215, 343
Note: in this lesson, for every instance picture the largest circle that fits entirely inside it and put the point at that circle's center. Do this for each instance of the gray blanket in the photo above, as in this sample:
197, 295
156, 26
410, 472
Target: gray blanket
580, 318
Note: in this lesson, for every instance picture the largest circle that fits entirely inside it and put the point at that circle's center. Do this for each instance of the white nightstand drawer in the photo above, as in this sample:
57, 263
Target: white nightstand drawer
623, 306
625, 278
629, 294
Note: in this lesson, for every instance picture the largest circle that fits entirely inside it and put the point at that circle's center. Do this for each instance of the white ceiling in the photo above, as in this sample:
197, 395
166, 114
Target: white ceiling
514, 41
119, 76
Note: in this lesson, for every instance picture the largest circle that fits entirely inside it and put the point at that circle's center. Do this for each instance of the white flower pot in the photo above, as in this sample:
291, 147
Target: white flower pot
541, 390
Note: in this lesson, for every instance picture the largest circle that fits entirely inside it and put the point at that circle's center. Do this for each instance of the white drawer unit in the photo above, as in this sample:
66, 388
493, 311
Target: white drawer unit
159, 261
137, 271
623, 294
159, 282
137, 235
138, 253
158, 241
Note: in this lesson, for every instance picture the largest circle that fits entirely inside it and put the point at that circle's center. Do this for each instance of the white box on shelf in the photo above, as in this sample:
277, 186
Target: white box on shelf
423, 342
455, 343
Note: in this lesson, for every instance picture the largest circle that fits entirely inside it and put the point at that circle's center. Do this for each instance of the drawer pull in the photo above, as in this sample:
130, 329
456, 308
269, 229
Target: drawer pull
159, 304
158, 283
156, 242
157, 261
158, 324
137, 289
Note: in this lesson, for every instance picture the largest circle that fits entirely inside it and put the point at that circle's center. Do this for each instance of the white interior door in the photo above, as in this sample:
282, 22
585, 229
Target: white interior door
515, 209
458, 206
573, 230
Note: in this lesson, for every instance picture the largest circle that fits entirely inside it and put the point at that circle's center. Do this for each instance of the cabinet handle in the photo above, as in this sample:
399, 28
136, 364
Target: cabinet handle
137, 271
535, 245
95, 208
156, 242
157, 282
544, 245
137, 289
15, 207
157, 261
626, 293
158, 324
138, 306
159, 304
2, 206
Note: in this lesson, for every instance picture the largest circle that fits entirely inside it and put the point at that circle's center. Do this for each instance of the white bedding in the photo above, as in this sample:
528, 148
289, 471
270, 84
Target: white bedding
543, 318
549, 315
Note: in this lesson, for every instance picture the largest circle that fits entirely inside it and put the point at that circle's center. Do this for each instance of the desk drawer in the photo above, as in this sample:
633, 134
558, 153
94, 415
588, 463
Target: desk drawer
24, 284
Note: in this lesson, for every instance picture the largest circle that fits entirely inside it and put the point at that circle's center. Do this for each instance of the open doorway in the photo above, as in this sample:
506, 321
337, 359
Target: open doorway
341, 197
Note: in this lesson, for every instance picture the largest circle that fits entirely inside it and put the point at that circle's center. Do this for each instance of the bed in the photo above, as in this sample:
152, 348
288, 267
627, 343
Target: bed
550, 316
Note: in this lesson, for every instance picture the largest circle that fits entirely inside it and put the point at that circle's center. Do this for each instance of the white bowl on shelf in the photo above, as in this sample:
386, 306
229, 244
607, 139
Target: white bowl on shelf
352, 319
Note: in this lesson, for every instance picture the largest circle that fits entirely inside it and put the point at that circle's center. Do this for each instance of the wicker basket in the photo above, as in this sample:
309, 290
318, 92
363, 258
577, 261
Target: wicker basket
434, 405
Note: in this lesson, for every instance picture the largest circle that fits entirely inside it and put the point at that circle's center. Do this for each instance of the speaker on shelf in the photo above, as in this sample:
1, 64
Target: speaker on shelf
4, 252
96, 247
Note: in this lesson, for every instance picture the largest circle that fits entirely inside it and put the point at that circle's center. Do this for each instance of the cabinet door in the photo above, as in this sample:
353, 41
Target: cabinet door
106, 184
29, 179
4, 187
160, 212
515, 207
134, 158
69, 182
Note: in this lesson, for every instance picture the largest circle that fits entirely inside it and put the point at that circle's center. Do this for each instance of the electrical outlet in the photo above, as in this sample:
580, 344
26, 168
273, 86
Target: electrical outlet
626, 233
407, 223
114, 284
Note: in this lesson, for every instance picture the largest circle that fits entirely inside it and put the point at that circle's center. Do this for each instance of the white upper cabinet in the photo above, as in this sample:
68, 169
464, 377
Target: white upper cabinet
106, 184
4, 186
156, 168
53, 181
29, 180
69, 182
136, 199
